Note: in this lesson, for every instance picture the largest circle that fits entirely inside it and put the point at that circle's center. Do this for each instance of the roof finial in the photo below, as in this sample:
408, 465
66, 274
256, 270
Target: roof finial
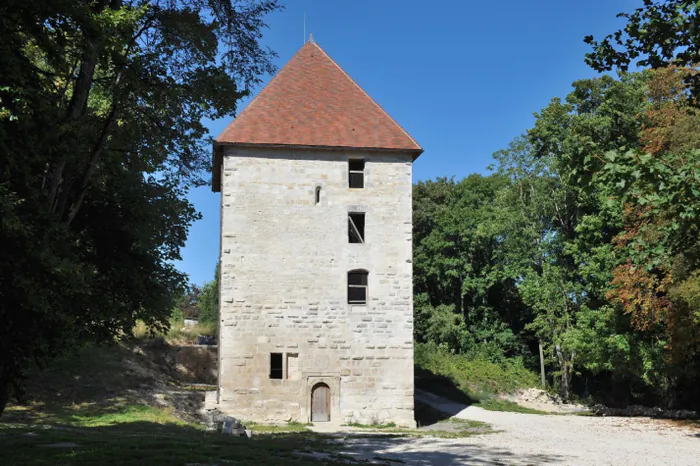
311, 37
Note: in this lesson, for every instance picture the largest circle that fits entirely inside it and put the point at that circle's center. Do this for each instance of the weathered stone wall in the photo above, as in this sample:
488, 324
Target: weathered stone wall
284, 263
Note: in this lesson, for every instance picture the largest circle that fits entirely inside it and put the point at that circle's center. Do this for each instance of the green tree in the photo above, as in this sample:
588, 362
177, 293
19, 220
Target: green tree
101, 110
657, 283
534, 224
458, 300
555, 232
208, 303
658, 34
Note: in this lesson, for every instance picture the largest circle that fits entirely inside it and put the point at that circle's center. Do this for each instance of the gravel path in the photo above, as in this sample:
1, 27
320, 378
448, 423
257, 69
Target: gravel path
523, 439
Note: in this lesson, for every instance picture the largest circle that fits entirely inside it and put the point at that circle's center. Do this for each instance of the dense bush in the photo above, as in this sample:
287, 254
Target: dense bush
474, 374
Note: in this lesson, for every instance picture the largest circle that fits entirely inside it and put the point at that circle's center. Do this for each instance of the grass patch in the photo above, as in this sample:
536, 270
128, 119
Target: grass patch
496, 404
389, 425
179, 333
289, 427
139, 434
447, 428
467, 379
103, 414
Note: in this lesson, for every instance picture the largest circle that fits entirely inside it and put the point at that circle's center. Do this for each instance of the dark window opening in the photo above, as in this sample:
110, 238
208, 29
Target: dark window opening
357, 287
275, 365
318, 194
357, 173
356, 227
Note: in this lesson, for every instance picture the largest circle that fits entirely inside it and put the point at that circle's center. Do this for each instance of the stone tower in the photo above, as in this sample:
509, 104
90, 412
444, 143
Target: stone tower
316, 261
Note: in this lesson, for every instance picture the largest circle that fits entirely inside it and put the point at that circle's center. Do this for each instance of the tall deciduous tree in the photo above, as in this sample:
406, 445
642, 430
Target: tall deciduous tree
657, 35
101, 133
658, 283
460, 301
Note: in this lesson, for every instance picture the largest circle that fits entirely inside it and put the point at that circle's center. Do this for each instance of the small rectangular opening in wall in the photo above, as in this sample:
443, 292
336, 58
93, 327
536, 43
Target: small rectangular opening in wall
356, 227
357, 287
276, 365
293, 366
356, 176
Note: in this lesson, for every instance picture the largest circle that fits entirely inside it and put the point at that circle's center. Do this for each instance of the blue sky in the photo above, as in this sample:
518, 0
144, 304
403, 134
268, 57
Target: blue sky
462, 77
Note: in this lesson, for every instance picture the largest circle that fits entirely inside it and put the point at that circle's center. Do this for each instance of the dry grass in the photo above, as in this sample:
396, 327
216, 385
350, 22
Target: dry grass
179, 333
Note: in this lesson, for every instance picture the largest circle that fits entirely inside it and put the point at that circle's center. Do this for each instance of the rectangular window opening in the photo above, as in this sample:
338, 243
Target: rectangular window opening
356, 173
357, 287
276, 365
356, 227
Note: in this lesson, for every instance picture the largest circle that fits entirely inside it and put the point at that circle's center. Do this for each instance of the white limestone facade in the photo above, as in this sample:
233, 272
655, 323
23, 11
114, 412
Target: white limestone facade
285, 260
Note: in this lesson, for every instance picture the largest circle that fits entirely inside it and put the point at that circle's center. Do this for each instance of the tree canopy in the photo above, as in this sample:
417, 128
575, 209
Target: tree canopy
102, 110
584, 240
656, 35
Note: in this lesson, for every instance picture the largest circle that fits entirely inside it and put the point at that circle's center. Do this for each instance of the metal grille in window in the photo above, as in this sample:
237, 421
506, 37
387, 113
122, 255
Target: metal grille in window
357, 287
275, 365
357, 173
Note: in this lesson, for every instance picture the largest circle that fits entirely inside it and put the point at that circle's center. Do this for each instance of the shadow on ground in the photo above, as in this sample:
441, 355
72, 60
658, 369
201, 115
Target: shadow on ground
435, 452
154, 444
97, 408
139, 443
100, 380
428, 381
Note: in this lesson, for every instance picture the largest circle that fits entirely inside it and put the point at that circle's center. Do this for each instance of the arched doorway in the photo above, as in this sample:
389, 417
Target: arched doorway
320, 403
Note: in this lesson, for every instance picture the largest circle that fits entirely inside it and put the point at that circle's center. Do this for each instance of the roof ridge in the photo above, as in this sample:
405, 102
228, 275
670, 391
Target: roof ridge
366, 94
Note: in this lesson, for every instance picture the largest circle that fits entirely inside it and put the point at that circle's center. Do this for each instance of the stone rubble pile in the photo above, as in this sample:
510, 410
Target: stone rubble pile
644, 411
227, 425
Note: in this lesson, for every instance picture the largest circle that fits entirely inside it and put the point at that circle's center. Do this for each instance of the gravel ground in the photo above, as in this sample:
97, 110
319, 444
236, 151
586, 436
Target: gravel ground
522, 439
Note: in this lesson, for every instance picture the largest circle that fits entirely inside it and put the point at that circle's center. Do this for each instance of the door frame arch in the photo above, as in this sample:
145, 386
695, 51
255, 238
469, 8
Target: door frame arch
312, 379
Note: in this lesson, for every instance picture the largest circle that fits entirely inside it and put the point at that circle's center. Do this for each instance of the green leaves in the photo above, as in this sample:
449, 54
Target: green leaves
208, 302
659, 33
101, 110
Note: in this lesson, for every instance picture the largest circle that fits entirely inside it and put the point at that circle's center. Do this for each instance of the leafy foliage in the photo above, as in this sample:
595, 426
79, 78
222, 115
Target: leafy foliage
659, 34
209, 299
101, 129
457, 301
474, 375
589, 229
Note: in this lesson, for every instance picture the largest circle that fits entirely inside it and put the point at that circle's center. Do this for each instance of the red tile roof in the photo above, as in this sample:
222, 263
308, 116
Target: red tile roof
313, 102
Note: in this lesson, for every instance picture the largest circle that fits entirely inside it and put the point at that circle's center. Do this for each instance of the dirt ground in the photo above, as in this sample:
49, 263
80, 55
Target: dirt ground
528, 439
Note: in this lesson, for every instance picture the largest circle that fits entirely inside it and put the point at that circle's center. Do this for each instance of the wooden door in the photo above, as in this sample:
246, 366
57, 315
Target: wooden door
321, 403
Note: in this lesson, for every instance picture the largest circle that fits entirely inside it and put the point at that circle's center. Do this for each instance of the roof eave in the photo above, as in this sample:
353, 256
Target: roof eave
218, 153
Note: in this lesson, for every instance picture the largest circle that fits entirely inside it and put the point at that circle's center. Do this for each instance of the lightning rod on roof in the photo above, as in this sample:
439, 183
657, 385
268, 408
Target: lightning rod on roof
303, 39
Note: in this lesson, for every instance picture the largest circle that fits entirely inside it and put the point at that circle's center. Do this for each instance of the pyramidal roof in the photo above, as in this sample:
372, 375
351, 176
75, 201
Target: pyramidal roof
312, 102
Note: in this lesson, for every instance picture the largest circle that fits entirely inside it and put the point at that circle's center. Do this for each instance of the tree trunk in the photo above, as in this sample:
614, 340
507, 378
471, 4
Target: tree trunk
544, 383
58, 178
564, 365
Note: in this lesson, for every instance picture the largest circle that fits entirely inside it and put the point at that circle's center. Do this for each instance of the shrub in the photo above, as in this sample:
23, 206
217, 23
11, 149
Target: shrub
473, 374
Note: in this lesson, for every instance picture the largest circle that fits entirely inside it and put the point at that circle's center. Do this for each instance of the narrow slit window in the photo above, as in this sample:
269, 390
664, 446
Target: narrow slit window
356, 227
356, 173
276, 365
357, 287
318, 195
